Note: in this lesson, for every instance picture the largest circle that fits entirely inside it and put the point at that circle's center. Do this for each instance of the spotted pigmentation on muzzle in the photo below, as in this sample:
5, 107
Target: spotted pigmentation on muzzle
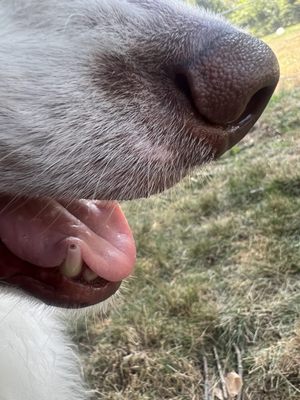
107, 100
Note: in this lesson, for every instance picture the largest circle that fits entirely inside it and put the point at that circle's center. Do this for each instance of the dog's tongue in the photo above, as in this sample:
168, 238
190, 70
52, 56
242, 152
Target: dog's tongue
41, 231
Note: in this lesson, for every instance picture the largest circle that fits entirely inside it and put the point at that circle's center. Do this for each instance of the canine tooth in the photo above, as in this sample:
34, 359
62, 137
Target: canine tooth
89, 275
72, 265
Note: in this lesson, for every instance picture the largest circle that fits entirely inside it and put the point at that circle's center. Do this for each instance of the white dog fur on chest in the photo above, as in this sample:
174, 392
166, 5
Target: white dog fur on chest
37, 359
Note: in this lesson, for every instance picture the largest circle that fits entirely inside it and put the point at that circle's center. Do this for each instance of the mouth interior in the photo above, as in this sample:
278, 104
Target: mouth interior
71, 254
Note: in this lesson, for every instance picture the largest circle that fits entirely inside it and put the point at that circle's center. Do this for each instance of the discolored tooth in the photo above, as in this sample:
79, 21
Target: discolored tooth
72, 265
89, 275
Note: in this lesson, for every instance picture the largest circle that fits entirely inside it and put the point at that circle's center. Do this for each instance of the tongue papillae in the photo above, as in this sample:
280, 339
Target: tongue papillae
42, 232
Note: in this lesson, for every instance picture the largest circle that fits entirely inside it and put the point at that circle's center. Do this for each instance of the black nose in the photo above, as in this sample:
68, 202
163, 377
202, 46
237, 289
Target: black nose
231, 81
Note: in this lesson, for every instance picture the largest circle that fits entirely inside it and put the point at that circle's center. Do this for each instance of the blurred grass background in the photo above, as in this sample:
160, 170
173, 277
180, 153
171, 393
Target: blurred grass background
287, 49
218, 266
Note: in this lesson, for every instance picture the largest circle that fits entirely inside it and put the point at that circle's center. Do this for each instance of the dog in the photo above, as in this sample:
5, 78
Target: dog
100, 101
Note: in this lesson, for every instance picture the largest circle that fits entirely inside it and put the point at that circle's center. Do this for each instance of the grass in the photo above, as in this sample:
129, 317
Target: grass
218, 267
287, 48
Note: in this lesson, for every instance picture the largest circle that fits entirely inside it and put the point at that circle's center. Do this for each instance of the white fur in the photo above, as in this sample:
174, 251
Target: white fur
37, 359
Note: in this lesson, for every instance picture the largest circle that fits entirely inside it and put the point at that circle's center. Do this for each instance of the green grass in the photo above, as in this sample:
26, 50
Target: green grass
218, 267
287, 50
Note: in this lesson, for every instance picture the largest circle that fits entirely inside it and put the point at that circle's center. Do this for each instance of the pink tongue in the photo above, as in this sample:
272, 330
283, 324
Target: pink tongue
40, 231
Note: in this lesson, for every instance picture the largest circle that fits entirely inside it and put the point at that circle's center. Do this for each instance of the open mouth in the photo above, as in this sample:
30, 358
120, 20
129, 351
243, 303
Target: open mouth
66, 254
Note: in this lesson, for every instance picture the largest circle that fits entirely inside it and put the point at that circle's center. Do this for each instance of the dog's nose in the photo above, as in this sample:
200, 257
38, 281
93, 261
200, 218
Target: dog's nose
231, 80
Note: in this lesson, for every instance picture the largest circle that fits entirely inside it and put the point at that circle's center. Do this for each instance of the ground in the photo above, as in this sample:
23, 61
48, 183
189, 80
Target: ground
218, 272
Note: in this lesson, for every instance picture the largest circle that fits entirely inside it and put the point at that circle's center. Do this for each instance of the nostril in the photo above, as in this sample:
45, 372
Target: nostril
182, 83
255, 106
229, 81
184, 86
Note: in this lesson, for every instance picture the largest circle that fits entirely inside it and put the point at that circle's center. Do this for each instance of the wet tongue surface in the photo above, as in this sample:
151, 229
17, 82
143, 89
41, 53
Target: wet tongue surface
40, 231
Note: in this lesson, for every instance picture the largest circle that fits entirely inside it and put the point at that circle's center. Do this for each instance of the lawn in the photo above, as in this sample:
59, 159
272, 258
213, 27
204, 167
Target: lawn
287, 49
217, 281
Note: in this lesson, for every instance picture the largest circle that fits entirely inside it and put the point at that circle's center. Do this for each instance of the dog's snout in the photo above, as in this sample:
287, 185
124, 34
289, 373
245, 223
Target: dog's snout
231, 80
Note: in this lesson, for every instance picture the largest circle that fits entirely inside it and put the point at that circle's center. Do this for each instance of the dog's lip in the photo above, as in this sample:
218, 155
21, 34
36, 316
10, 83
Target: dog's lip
218, 137
68, 294
98, 229
50, 286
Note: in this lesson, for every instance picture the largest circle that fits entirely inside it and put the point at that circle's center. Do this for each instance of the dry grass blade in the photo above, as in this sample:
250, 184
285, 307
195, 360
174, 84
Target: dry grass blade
240, 368
206, 380
221, 374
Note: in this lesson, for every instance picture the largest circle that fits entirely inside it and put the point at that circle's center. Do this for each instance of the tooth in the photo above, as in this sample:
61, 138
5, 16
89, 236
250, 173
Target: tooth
72, 265
89, 275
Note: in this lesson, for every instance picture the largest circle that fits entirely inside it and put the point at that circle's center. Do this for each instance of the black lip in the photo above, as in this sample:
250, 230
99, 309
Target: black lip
50, 286
67, 294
